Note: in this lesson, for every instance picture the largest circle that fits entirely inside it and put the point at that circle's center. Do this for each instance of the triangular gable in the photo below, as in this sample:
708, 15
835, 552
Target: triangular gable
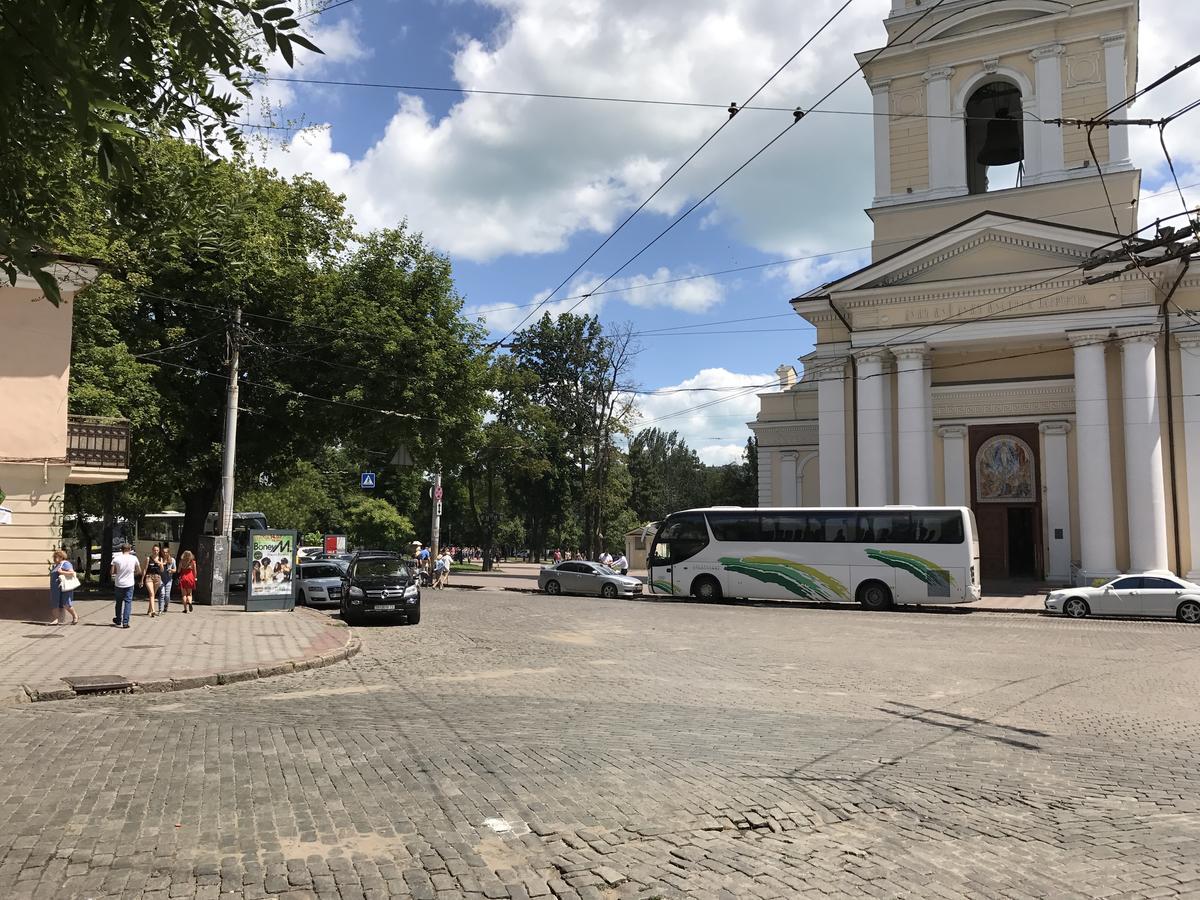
1026, 243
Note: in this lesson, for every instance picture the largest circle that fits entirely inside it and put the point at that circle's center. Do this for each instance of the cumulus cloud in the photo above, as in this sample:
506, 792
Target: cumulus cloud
680, 289
504, 175
713, 422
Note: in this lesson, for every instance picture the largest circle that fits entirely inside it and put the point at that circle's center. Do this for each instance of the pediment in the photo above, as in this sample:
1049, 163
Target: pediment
991, 252
989, 244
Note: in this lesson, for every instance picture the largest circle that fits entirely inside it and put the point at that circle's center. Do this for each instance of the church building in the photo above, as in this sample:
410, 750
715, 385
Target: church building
969, 363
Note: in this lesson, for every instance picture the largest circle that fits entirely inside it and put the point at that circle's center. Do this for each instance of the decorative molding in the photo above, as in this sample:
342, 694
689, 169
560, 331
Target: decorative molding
1084, 68
991, 65
1054, 427
1188, 341
1089, 338
952, 432
1005, 400
940, 73
1137, 334
911, 351
1047, 50
1021, 242
792, 435
1112, 38
910, 102
880, 87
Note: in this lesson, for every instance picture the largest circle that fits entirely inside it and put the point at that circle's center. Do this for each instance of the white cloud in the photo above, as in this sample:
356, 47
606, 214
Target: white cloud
504, 175
712, 422
694, 295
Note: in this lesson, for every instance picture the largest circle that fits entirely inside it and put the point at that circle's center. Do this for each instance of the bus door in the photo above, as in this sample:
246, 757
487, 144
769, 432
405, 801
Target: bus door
682, 536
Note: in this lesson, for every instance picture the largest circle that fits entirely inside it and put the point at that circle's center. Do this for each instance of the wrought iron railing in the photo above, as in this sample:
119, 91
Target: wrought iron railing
98, 441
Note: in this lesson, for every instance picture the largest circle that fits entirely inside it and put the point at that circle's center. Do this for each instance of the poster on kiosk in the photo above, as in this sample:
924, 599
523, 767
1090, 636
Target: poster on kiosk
269, 584
335, 543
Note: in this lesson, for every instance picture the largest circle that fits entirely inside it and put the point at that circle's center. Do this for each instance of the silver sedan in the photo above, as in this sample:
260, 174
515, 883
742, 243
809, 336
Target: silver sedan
582, 577
1150, 594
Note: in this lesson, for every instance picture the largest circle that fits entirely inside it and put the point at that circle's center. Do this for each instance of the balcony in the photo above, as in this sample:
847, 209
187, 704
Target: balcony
97, 442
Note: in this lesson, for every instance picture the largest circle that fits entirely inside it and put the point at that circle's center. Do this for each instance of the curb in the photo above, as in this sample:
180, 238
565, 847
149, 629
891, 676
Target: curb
49, 692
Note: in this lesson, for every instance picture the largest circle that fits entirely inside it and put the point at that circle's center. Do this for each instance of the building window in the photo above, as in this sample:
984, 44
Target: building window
995, 137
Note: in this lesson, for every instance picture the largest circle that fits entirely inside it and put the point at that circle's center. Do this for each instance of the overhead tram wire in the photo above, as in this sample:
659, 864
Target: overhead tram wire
708, 140
796, 120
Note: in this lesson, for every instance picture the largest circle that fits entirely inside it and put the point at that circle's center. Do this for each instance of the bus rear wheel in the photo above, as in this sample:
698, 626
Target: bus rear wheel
875, 595
706, 588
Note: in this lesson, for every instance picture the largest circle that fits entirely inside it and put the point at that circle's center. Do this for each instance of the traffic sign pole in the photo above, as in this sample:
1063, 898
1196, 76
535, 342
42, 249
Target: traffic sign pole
435, 525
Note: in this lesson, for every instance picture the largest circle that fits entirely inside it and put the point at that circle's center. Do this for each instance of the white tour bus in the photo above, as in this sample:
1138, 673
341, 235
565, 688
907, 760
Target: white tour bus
877, 557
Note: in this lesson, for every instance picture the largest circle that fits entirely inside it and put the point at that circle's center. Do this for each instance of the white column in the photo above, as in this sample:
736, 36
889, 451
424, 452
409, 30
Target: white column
1097, 537
889, 428
831, 429
1115, 83
766, 459
1144, 489
1057, 500
954, 463
947, 165
928, 398
788, 495
873, 463
1048, 87
1189, 364
881, 100
911, 418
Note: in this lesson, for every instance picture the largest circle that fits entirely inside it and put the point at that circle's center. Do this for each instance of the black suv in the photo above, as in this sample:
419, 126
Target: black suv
378, 585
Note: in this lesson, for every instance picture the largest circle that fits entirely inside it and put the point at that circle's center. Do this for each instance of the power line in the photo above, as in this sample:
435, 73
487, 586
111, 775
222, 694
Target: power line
733, 108
640, 101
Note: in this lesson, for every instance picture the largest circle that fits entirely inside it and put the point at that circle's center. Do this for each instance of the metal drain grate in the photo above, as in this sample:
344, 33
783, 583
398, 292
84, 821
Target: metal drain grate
86, 684
144, 647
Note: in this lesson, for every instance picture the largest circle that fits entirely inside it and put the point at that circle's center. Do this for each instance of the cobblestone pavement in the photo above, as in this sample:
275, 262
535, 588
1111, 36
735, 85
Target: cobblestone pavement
515, 746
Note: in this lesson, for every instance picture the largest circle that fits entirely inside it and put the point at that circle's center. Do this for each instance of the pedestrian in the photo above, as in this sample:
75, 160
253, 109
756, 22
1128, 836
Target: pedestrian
621, 564
606, 558
168, 579
125, 569
557, 556
63, 584
441, 569
187, 578
152, 579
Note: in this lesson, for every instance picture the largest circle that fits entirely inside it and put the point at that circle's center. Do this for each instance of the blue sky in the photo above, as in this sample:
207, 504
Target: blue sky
519, 191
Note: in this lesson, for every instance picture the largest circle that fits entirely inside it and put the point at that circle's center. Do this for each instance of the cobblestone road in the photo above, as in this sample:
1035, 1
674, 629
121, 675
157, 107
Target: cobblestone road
515, 746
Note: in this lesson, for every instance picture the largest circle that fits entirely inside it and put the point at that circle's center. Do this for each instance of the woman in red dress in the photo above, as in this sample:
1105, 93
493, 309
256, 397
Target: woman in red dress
187, 578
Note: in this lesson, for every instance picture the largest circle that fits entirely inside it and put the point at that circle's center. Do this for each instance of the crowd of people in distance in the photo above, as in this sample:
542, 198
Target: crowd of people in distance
619, 564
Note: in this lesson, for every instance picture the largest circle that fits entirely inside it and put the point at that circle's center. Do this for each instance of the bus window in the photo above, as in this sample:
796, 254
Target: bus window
736, 526
885, 527
682, 537
783, 526
835, 527
938, 527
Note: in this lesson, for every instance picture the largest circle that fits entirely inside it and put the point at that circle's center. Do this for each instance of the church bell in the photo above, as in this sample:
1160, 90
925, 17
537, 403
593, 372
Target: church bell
1002, 144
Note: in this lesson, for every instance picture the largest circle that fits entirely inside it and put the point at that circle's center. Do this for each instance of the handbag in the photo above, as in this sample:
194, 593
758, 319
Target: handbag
67, 582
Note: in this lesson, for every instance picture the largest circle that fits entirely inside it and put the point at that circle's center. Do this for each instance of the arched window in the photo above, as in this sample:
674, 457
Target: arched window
995, 137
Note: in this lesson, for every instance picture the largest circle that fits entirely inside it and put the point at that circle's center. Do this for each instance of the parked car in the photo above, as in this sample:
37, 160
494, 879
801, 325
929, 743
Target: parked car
378, 585
320, 582
582, 577
1149, 594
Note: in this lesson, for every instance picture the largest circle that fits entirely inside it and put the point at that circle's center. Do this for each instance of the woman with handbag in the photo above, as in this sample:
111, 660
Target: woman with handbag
168, 579
152, 580
63, 584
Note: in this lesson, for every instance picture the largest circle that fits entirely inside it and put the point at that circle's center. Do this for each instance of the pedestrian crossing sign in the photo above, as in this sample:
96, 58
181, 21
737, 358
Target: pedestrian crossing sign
368, 480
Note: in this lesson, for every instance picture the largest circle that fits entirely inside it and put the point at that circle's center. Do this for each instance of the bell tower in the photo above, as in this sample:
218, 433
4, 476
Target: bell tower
960, 103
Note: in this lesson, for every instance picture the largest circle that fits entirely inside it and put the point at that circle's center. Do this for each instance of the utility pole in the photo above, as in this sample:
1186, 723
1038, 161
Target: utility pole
231, 416
435, 525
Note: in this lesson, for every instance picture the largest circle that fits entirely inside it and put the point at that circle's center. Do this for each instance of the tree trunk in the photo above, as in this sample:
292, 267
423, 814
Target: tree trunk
106, 535
197, 504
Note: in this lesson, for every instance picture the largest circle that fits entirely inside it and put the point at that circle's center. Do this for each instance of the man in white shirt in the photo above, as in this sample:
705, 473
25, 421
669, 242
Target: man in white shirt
125, 570
606, 558
621, 564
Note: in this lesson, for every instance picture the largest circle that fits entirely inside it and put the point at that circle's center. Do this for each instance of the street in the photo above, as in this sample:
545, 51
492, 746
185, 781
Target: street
514, 745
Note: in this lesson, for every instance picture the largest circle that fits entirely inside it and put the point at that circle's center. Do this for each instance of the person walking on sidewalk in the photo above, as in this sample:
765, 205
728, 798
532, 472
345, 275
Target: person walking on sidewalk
168, 578
152, 580
187, 578
63, 583
125, 570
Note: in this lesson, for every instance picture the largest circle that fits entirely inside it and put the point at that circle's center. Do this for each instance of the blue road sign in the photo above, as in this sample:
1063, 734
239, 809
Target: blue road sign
368, 480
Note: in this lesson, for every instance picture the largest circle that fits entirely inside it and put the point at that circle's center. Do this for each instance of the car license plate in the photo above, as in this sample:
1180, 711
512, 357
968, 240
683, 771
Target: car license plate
385, 607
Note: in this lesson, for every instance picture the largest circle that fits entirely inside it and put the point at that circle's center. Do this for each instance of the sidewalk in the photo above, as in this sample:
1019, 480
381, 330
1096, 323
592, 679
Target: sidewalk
519, 576
213, 645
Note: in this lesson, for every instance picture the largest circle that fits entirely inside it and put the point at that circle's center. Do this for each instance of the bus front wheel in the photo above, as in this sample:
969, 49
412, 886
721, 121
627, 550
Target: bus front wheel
875, 595
706, 588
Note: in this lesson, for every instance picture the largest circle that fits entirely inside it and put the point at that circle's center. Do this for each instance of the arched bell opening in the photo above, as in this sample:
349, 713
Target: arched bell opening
995, 137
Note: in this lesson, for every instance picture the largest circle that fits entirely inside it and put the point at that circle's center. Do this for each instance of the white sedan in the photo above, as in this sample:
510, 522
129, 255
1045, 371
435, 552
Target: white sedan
1150, 594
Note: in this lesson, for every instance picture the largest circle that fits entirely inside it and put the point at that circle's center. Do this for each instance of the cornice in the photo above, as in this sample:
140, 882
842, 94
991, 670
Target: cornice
1010, 399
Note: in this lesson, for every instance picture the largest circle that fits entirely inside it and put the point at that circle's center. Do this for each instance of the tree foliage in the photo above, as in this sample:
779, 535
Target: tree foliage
91, 78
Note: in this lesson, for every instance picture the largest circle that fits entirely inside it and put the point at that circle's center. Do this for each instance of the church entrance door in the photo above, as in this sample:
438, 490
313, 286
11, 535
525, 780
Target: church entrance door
1006, 498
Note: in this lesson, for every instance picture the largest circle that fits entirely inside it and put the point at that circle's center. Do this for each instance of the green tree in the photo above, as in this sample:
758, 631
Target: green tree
374, 523
90, 78
666, 474
298, 500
